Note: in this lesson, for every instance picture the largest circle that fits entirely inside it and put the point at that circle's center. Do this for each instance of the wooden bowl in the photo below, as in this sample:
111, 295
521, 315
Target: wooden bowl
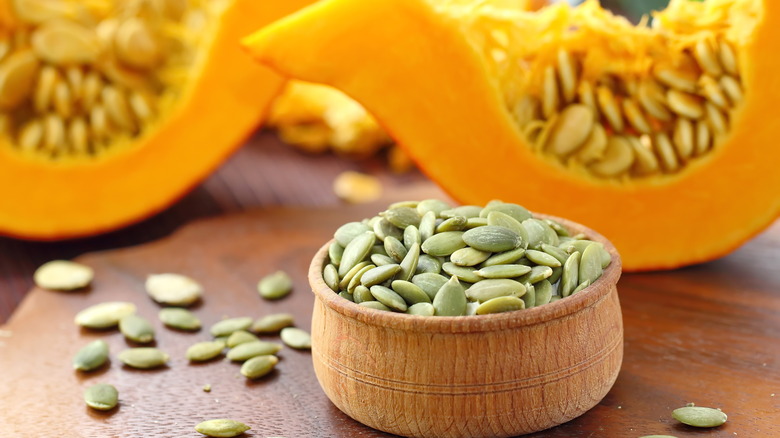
496, 375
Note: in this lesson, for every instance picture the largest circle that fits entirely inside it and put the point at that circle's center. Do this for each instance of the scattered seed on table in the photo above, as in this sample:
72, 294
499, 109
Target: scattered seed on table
222, 428
275, 286
296, 338
173, 289
63, 275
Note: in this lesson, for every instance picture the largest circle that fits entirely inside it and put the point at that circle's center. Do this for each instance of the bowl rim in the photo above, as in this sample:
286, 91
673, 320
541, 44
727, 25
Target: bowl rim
562, 308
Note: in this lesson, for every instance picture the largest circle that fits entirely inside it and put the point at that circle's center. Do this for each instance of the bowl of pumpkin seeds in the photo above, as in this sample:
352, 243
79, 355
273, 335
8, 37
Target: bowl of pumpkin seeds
432, 319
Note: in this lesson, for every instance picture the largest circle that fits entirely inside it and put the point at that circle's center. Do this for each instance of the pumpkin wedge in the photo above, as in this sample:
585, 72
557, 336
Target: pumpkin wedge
111, 110
661, 136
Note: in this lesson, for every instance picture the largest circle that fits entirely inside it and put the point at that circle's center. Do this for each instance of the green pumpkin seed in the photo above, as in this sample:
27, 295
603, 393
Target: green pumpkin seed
556, 252
248, 350
240, 337
571, 274
433, 205
430, 283
226, 327
555, 298
178, 318
173, 289
272, 323
335, 252
471, 308
503, 271
378, 249
504, 257
456, 223
296, 338
410, 292
143, 357
383, 228
91, 356
464, 273
559, 229
427, 226
515, 211
543, 292
488, 289
402, 217
500, 304
381, 260
389, 298
474, 222
581, 245
275, 286
590, 264
345, 233
136, 329
556, 275
104, 315
536, 233
469, 256
542, 258
222, 340
356, 251
499, 219
222, 428
347, 278
409, 263
410, 204
362, 294
395, 249
101, 396
376, 305
259, 366
529, 297
537, 274
467, 211
443, 244
379, 274
347, 296
63, 275
492, 238
582, 286
422, 309
698, 416
426, 263
411, 236
450, 300
203, 351
331, 277
355, 282
550, 236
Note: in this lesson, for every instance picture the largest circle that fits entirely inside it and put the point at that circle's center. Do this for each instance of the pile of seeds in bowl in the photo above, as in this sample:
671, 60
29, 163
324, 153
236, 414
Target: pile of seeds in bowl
430, 258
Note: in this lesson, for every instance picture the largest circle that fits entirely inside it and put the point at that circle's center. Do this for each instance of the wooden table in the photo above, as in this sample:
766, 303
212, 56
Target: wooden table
707, 334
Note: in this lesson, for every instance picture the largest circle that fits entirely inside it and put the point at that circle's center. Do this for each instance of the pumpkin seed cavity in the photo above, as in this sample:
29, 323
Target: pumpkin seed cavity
646, 105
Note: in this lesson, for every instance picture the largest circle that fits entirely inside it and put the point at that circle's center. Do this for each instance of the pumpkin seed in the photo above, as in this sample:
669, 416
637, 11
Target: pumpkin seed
222, 428
444, 244
469, 256
355, 281
104, 315
590, 264
345, 233
179, 318
272, 323
348, 296
464, 273
571, 274
402, 217
430, 283
389, 298
456, 223
411, 236
144, 357
698, 416
504, 257
296, 338
240, 337
63, 42
248, 350
410, 204
376, 305
335, 252
474, 222
488, 289
422, 309
63, 275
378, 249
450, 299
409, 263
275, 286
91, 356
173, 289
503, 271
331, 277
427, 226
492, 238
101, 396
543, 292
529, 297
582, 286
500, 304
556, 275
467, 211
556, 252
537, 274
410, 292
542, 258
347, 279
380, 260
362, 294
433, 205
203, 351
379, 274
383, 228
500, 219
356, 251
395, 249
427, 263
136, 329
226, 327
259, 366
516, 212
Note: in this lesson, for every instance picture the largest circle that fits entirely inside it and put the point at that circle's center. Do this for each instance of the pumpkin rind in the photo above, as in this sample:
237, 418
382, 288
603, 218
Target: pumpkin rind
433, 93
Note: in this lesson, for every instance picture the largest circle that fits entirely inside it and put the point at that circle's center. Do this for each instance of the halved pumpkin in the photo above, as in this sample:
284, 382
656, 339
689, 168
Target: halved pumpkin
659, 136
111, 110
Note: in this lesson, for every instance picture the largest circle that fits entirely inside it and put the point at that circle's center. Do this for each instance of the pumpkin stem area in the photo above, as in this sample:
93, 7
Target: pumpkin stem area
82, 79
610, 100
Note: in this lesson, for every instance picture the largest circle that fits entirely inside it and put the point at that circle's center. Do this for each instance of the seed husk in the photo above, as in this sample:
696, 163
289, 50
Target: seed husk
226, 327
450, 300
376, 305
272, 323
296, 338
698, 416
492, 288
571, 129
504, 257
101, 396
104, 315
91, 356
178, 318
173, 289
259, 366
500, 304
428, 263
137, 329
430, 283
248, 350
356, 251
464, 273
469, 256
422, 309
275, 286
389, 298
503, 271
240, 337
221, 428
144, 357
444, 244
345, 233
410, 292
63, 275
492, 238
203, 351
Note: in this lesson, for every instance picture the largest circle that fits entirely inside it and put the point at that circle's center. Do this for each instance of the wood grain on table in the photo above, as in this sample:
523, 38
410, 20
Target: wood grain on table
707, 334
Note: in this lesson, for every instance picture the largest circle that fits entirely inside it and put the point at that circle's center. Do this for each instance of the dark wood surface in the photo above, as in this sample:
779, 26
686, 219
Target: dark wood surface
708, 334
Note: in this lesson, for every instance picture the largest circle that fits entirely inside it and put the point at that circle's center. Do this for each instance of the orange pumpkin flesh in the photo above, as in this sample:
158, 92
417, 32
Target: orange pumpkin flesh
433, 92
225, 97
